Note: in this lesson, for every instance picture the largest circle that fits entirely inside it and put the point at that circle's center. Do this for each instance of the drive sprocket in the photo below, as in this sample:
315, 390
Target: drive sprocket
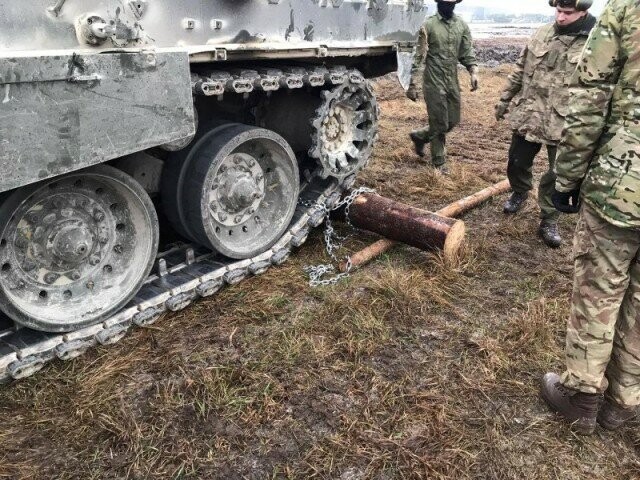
345, 128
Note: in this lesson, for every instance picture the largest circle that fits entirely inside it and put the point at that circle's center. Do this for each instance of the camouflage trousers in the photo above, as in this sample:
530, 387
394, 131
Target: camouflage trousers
603, 333
522, 153
444, 114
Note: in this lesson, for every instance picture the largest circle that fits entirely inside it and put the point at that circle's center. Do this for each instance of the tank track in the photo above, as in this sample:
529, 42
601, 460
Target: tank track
185, 272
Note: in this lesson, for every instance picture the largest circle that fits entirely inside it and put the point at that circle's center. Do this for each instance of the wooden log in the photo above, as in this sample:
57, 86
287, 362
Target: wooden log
367, 254
406, 224
455, 209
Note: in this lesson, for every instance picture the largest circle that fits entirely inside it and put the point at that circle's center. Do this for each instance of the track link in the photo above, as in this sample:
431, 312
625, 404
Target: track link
186, 273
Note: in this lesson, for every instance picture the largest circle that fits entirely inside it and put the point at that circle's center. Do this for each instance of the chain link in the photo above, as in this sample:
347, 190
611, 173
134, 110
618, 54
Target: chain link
333, 243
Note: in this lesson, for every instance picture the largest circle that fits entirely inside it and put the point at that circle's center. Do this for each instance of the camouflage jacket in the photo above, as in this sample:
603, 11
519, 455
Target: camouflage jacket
445, 44
539, 89
600, 147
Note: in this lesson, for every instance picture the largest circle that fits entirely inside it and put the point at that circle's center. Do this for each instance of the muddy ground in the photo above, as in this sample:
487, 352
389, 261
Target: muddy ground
411, 368
498, 51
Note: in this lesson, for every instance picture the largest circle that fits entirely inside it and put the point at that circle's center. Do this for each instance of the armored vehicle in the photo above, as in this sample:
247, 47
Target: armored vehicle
153, 151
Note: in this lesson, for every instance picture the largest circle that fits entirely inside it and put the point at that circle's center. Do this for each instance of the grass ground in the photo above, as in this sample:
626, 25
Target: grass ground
411, 368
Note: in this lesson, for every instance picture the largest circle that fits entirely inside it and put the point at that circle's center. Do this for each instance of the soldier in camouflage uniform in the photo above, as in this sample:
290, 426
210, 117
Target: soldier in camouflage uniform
599, 162
446, 40
537, 96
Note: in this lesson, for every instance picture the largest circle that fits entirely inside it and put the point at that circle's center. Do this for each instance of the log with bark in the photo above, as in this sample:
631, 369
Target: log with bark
403, 223
440, 234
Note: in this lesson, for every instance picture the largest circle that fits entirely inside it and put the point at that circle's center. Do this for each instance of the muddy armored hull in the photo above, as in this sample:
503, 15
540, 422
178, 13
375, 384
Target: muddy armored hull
155, 151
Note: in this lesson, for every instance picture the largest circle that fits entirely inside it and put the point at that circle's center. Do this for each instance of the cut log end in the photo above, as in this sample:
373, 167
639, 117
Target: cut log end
455, 242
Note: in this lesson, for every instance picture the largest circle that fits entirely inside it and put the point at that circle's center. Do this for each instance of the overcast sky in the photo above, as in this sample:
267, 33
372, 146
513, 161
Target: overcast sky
524, 6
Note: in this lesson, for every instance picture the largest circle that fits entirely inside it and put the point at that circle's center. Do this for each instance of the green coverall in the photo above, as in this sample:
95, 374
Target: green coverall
445, 42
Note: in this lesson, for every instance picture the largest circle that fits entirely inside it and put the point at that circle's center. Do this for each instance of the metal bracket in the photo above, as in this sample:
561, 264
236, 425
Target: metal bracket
325, 3
94, 30
84, 78
189, 23
138, 7
56, 8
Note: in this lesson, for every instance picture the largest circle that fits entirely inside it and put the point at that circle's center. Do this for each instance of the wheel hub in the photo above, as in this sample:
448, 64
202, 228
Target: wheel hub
337, 130
71, 243
238, 189
240, 192
71, 250
60, 239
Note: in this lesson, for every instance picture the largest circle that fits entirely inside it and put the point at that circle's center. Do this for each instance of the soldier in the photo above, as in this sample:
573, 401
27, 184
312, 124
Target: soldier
537, 95
446, 40
599, 162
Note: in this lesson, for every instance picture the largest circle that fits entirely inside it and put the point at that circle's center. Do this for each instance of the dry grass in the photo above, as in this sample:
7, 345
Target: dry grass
412, 368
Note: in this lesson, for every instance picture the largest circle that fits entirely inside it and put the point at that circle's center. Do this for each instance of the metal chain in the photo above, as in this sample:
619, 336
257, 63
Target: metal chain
333, 243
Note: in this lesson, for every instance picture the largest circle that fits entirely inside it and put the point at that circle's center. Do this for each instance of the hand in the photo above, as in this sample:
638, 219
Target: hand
501, 109
567, 202
475, 80
412, 93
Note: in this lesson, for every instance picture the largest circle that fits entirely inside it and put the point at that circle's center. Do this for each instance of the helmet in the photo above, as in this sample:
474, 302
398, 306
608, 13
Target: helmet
450, 1
581, 5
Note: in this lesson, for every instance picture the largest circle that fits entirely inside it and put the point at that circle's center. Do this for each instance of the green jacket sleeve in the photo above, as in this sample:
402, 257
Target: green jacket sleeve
592, 87
466, 55
514, 83
418, 59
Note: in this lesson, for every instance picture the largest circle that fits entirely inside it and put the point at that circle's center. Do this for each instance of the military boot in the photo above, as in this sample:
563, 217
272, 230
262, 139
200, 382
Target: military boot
418, 144
548, 231
514, 204
442, 169
612, 416
576, 407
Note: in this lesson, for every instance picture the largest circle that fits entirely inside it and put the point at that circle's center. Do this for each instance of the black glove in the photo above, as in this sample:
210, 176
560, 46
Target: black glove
566, 202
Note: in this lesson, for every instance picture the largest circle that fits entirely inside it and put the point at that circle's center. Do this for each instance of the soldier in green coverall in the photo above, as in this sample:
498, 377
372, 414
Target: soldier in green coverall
599, 163
445, 39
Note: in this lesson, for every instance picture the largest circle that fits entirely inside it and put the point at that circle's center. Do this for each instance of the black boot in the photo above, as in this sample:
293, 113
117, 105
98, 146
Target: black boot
442, 169
548, 231
514, 204
418, 144
612, 416
578, 408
